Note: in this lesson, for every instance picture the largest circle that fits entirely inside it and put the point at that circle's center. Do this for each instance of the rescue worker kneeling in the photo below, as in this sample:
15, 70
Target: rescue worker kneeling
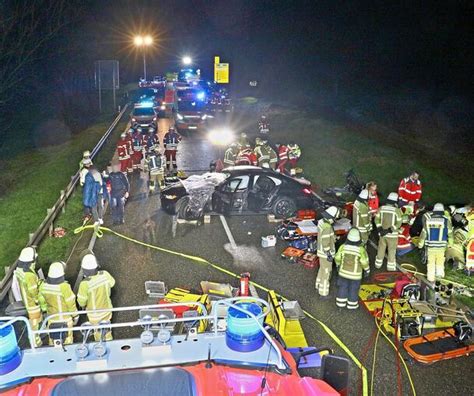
94, 294
351, 260
56, 297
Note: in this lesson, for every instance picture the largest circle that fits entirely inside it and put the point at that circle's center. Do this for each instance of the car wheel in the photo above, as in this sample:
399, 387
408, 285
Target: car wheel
284, 207
185, 211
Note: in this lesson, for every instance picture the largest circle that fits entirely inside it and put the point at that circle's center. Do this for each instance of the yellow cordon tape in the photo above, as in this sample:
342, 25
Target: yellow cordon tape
99, 231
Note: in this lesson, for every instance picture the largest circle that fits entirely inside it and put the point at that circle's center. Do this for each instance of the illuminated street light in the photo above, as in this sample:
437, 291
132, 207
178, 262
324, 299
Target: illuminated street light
187, 60
221, 137
143, 41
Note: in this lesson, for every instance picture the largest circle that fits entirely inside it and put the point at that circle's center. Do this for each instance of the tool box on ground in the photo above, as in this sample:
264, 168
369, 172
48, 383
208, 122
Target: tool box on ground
268, 241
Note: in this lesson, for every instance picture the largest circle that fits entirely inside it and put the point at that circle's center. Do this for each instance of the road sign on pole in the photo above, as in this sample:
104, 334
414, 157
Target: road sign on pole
221, 71
107, 77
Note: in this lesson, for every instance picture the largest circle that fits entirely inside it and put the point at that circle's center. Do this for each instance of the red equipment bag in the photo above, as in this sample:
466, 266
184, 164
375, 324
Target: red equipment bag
400, 282
306, 214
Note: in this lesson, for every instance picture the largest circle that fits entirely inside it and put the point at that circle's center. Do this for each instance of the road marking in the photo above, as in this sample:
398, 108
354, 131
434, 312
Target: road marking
227, 231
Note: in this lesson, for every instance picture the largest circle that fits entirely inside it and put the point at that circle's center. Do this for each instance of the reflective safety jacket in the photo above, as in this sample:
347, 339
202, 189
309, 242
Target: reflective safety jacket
351, 260
326, 239
137, 141
230, 156
28, 282
94, 293
458, 250
155, 164
470, 250
122, 149
129, 140
283, 153
266, 156
153, 142
409, 190
389, 218
360, 216
57, 298
437, 231
171, 140
246, 157
294, 151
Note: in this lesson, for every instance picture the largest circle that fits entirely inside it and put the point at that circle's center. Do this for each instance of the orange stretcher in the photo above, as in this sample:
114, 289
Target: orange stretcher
437, 346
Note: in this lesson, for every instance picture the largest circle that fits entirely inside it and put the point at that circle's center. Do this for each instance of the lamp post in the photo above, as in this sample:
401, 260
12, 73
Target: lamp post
143, 42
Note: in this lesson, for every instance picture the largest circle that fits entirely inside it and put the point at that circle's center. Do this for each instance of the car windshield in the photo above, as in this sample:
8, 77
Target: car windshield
190, 106
146, 92
143, 111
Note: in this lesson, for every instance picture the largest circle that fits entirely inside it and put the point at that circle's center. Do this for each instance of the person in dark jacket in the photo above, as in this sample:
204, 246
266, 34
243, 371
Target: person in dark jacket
93, 194
119, 192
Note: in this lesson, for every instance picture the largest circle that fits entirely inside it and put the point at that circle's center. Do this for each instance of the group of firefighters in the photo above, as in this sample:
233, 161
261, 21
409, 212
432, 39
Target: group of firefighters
440, 241
53, 299
391, 221
283, 158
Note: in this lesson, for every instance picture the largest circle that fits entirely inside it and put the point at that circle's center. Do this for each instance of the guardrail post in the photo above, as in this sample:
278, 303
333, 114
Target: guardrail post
61, 196
30, 237
51, 226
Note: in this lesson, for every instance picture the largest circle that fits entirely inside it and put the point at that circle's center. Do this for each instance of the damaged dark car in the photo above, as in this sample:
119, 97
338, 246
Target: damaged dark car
238, 190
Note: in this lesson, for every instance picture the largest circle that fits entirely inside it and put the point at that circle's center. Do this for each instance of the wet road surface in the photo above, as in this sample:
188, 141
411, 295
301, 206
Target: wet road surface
132, 265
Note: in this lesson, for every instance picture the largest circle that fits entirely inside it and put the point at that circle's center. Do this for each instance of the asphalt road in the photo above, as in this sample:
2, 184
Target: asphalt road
132, 265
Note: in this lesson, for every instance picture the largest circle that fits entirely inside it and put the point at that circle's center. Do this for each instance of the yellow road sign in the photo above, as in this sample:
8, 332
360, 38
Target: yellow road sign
221, 71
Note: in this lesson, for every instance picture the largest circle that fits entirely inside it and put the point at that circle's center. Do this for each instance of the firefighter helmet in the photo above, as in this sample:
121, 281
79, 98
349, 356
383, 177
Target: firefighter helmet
28, 255
123, 135
439, 207
353, 235
86, 154
56, 270
392, 197
331, 213
89, 262
364, 194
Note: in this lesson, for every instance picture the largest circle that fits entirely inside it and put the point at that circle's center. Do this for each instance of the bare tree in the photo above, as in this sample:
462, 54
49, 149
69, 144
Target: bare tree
26, 27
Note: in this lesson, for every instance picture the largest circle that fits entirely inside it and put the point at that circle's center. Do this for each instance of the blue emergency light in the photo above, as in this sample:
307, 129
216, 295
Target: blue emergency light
10, 354
200, 95
146, 104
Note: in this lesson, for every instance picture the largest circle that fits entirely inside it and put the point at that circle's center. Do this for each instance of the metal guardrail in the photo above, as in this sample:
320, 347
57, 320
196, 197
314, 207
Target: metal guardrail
52, 213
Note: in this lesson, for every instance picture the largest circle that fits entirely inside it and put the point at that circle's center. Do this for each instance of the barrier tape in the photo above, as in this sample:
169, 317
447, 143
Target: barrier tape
99, 230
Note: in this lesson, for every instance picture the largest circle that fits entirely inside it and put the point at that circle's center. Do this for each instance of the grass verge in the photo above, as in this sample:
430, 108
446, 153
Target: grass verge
38, 177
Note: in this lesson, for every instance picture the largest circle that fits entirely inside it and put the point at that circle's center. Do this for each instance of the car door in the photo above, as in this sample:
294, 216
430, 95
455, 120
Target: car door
264, 187
231, 196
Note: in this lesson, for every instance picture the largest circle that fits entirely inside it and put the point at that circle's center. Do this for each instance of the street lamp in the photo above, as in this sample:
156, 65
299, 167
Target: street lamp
143, 42
187, 60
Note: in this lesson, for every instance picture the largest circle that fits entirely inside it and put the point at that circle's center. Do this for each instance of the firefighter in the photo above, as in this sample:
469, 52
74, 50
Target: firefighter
86, 164
86, 155
283, 158
56, 297
153, 140
94, 294
122, 152
457, 252
129, 140
119, 193
326, 249
388, 222
155, 163
294, 154
28, 280
361, 217
266, 156
263, 126
230, 155
436, 236
171, 141
246, 156
373, 201
409, 189
243, 140
137, 148
351, 261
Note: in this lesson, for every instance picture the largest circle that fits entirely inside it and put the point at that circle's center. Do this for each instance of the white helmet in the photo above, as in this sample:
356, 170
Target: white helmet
28, 255
439, 207
89, 262
364, 194
56, 270
86, 154
392, 197
331, 212
151, 129
131, 130
123, 135
353, 235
